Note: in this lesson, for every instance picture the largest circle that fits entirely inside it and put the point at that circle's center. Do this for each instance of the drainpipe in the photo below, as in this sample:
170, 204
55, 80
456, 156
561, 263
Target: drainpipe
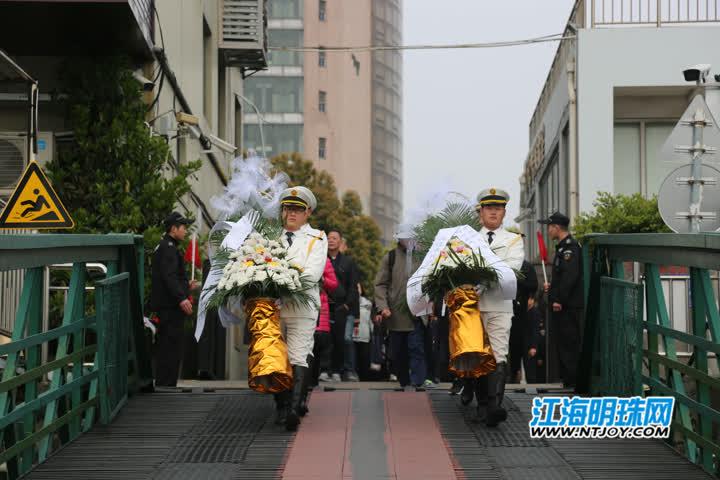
204, 141
572, 143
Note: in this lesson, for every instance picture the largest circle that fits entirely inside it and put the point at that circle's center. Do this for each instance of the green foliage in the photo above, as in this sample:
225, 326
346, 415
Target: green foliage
360, 231
454, 214
621, 214
114, 177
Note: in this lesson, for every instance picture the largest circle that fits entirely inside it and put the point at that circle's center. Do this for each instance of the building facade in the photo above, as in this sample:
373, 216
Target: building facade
190, 58
339, 109
613, 94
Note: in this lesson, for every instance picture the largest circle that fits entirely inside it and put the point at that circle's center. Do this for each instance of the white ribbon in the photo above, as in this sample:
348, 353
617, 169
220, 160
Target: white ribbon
420, 304
237, 233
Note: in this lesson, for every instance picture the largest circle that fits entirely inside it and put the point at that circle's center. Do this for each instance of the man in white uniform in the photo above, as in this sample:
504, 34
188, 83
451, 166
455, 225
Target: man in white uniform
308, 250
496, 311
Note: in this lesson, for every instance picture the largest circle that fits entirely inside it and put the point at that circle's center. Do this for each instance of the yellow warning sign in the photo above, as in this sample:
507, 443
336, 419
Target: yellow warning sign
34, 204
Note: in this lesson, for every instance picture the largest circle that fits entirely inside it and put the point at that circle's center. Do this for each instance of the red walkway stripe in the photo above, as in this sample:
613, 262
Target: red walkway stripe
319, 451
416, 448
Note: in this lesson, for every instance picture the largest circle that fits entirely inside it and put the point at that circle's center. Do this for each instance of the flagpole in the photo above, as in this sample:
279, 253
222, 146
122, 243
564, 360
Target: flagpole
544, 273
194, 243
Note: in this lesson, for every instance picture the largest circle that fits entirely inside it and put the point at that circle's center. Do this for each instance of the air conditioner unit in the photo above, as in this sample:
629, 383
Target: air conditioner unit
13, 157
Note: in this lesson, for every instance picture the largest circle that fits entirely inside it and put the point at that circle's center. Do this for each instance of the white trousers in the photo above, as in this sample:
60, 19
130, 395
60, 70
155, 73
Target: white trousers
498, 326
300, 338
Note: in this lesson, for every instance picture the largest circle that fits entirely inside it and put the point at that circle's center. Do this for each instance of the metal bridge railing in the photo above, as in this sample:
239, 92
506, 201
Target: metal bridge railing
631, 350
96, 356
653, 12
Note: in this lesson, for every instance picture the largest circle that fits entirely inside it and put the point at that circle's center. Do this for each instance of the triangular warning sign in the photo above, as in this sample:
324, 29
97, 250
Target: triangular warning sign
34, 204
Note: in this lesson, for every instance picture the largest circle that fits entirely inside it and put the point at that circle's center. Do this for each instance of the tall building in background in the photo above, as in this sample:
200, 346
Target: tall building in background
340, 110
387, 168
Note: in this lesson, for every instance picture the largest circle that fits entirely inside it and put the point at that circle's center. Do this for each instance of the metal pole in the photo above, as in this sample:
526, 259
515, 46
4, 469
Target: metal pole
696, 172
260, 120
658, 13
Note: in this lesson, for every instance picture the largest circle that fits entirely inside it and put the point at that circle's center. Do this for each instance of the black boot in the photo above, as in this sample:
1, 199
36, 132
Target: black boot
282, 404
468, 391
481, 393
293, 417
306, 387
496, 390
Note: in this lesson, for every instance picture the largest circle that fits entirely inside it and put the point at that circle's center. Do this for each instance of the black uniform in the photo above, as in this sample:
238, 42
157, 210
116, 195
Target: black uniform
527, 285
346, 294
567, 290
169, 288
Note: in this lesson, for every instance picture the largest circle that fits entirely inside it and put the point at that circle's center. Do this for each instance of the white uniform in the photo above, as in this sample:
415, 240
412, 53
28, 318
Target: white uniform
496, 310
309, 251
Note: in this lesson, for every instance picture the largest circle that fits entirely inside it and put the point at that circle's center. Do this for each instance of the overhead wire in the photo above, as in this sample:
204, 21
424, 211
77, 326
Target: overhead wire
557, 37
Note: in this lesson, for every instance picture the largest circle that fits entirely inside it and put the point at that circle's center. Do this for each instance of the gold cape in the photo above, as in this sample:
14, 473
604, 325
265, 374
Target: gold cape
269, 369
471, 355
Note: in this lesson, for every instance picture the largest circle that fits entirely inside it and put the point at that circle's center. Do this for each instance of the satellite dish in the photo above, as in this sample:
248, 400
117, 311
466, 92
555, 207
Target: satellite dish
675, 195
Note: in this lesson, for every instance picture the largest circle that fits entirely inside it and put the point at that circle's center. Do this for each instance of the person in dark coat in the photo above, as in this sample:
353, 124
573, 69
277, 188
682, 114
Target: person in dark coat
169, 298
344, 309
211, 346
535, 355
527, 285
565, 296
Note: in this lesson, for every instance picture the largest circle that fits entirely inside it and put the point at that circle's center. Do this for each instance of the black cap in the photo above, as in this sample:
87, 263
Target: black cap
556, 218
175, 219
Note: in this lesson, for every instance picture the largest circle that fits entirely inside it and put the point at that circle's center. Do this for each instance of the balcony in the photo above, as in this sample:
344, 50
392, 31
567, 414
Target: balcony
243, 34
78, 27
653, 13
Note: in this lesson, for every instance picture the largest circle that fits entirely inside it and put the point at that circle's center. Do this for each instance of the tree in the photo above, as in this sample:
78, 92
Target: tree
114, 177
360, 231
621, 214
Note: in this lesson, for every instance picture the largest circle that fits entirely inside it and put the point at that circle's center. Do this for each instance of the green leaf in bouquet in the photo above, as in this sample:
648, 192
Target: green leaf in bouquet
454, 214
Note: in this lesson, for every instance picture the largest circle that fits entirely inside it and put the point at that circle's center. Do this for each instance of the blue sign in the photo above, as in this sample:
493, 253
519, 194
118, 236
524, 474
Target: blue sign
41, 145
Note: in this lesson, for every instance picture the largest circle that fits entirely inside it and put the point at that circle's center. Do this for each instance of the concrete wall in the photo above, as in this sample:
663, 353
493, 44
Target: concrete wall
610, 58
347, 121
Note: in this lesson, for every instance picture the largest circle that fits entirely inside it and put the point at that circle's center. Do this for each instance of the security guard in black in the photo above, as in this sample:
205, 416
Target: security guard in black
169, 298
565, 296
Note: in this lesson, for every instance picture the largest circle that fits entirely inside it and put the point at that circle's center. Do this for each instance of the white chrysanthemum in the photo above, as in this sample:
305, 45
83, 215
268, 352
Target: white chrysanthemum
261, 276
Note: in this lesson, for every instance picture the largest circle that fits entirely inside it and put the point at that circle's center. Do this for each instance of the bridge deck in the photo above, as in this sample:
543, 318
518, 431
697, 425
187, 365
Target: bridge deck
361, 434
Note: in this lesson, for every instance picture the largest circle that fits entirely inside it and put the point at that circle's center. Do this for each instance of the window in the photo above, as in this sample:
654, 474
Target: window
322, 10
322, 100
207, 71
322, 58
278, 138
285, 9
275, 94
285, 38
322, 147
637, 165
626, 160
238, 125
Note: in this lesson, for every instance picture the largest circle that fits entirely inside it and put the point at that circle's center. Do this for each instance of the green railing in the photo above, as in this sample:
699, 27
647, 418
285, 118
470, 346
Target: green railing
97, 353
628, 351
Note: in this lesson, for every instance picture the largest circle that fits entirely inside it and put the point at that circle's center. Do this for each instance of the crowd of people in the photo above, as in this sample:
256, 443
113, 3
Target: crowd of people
350, 337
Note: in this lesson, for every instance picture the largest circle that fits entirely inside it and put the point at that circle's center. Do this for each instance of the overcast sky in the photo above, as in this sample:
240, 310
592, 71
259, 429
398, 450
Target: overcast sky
466, 112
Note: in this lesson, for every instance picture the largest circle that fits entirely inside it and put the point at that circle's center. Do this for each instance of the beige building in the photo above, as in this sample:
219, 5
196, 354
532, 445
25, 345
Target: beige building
190, 57
339, 109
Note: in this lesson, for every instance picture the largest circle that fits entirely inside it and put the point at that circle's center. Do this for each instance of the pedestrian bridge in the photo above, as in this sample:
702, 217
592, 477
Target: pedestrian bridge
76, 399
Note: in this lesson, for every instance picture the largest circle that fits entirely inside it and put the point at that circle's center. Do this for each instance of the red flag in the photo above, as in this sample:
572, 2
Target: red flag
188, 254
541, 246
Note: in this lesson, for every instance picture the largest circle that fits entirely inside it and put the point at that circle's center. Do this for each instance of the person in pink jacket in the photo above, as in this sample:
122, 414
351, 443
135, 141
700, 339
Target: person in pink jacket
323, 339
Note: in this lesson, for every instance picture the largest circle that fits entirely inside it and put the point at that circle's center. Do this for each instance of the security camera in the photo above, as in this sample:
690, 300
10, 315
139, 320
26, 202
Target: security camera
697, 73
222, 144
146, 83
